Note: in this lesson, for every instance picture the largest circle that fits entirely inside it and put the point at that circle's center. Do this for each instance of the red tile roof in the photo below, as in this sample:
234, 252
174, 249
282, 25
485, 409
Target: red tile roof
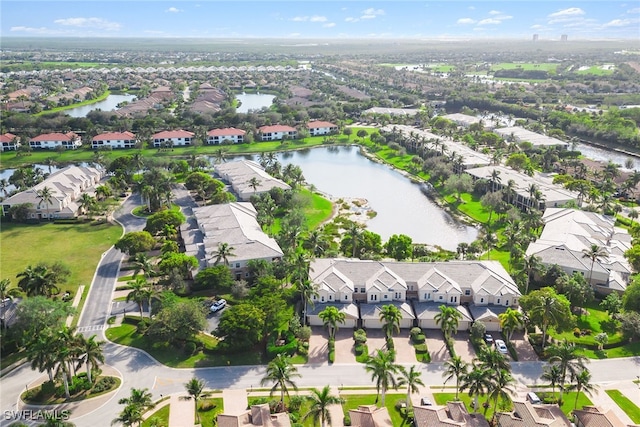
111, 136
276, 128
173, 134
318, 124
56, 136
226, 132
7, 137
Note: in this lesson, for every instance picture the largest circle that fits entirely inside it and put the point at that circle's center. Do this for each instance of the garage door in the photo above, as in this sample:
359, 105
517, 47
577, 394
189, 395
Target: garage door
428, 324
348, 323
372, 323
315, 321
464, 325
406, 323
492, 326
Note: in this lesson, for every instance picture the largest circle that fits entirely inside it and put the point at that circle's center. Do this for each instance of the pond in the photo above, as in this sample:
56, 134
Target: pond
253, 101
108, 104
600, 154
401, 206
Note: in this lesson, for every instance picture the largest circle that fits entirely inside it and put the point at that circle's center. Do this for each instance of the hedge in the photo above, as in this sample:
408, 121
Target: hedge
419, 339
289, 348
421, 348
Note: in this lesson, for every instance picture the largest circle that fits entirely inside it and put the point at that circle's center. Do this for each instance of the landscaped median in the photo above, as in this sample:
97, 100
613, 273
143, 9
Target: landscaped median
631, 409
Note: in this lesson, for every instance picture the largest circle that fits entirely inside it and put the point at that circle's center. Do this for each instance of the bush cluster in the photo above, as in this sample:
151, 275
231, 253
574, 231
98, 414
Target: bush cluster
360, 336
289, 348
104, 384
332, 350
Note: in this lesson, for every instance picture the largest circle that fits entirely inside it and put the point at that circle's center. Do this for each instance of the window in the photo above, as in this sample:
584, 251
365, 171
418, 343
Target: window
440, 298
410, 287
346, 297
237, 265
355, 290
498, 301
330, 297
481, 300
506, 302
362, 290
322, 298
467, 292
315, 297
386, 296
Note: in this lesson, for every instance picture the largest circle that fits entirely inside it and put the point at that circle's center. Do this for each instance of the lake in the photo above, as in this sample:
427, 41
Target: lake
253, 101
108, 104
596, 153
401, 206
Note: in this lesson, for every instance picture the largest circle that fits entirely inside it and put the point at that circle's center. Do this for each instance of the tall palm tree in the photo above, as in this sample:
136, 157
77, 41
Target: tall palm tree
582, 382
254, 183
92, 351
45, 194
224, 252
391, 316
448, 319
530, 266
355, 233
142, 263
478, 382
510, 321
568, 359
307, 292
38, 280
412, 380
139, 292
195, 389
492, 360
319, 402
331, 317
594, 253
86, 202
41, 355
383, 370
500, 388
458, 368
552, 373
280, 372
139, 401
131, 415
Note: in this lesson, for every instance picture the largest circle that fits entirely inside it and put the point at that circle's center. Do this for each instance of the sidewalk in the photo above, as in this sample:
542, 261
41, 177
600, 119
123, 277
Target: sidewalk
182, 413
76, 302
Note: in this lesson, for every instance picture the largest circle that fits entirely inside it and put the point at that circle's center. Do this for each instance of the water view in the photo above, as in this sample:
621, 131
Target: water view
253, 101
401, 206
108, 104
595, 153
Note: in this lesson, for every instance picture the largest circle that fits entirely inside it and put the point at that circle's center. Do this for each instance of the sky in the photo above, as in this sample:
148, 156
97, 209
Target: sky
305, 19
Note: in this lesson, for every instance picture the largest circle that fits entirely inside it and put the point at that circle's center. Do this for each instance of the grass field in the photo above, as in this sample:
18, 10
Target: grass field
161, 415
512, 66
597, 70
631, 409
208, 409
79, 246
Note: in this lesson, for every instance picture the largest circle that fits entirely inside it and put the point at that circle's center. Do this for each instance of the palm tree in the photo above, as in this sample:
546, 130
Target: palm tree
6, 290
412, 380
86, 202
254, 183
570, 362
455, 367
500, 388
510, 321
131, 415
40, 353
45, 194
633, 215
224, 252
307, 292
477, 381
195, 389
319, 401
355, 233
552, 373
448, 319
92, 351
582, 382
38, 280
331, 317
492, 360
139, 402
594, 253
530, 266
139, 292
4, 184
281, 372
142, 263
383, 370
391, 316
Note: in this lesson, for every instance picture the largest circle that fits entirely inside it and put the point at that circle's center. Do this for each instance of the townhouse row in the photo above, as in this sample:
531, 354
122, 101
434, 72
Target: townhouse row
168, 138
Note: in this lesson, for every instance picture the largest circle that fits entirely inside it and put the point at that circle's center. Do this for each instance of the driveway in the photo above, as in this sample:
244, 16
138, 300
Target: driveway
463, 347
318, 345
375, 340
523, 347
404, 350
435, 344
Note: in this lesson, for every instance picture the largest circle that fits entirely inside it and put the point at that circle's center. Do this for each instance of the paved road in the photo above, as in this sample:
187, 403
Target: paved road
141, 371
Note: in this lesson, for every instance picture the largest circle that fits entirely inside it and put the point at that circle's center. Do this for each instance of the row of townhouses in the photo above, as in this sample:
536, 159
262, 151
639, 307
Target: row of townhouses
173, 138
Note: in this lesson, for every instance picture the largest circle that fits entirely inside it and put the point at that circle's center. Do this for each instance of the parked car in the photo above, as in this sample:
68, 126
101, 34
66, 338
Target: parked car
533, 398
488, 338
218, 305
501, 346
425, 401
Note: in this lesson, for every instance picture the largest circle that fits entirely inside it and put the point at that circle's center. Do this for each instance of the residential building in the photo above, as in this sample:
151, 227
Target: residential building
569, 233
592, 416
258, 415
518, 134
465, 120
454, 414
172, 138
241, 173
528, 191
370, 416
321, 128
114, 140
417, 289
525, 414
9, 142
231, 135
48, 141
234, 224
391, 111
277, 133
66, 186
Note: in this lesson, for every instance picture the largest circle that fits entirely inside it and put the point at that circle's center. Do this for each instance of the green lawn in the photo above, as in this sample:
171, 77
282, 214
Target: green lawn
443, 398
161, 415
126, 334
52, 242
596, 70
629, 408
352, 401
317, 210
208, 409
512, 66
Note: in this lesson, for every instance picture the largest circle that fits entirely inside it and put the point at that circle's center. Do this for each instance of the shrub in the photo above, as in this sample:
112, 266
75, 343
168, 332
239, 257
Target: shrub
415, 331
303, 349
304, 333
289, 348
206, 406
190, 348
332, 350
421, 348
419, 339
131, 320
390, 344
104, 384
359, 348
143, 325
360, 336
450, 346
295, 403
347, 420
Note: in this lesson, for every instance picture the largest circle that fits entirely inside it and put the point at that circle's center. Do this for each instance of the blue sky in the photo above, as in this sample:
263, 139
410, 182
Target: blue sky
444, 19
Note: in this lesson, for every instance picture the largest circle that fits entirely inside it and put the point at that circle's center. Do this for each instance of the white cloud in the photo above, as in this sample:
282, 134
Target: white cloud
465, 21
536, 27
490, 21
96, 23
300, 19
329, 25
32, 30
318, 18
294, 35
572, 11
173, 10
471, 8
495, 12
371, 13
634, 10
621, 23
351, 19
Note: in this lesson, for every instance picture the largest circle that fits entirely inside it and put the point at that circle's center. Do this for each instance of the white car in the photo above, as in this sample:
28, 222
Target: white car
218, 305
501, 346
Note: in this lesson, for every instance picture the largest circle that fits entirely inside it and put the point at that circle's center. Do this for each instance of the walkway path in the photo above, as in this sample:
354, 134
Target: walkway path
235, 400
182, 412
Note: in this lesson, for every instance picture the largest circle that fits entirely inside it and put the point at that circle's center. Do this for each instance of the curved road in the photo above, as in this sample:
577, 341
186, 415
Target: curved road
139, 370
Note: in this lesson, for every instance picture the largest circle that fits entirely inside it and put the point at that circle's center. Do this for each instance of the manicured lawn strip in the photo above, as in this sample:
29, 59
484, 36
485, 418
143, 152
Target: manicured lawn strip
11, 359
161, 415
79, 246
208, 417
512, 66
631, 409
126, 334
318, 210
352, 401
79, 396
